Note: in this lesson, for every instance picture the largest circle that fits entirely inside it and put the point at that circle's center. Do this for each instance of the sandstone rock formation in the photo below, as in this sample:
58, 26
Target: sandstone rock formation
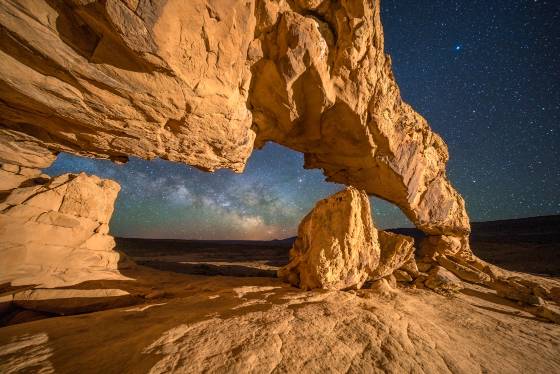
199, 81
115, 78
55, 232
442, 280
68, 301
337, 246
203, 81
324, 87
396, 251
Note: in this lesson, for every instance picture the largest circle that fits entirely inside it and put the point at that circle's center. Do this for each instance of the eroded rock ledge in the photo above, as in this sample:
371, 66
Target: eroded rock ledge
339, 248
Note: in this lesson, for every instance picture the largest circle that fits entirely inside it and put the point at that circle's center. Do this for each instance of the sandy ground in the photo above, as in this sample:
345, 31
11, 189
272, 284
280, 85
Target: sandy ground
198, 323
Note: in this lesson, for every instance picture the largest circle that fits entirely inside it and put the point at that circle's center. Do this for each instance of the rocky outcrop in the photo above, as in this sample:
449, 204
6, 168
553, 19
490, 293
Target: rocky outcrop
201, 81
55, 233
337, 246
13, 176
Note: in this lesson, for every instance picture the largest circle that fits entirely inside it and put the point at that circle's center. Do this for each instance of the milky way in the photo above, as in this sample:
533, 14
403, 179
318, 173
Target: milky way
486, 75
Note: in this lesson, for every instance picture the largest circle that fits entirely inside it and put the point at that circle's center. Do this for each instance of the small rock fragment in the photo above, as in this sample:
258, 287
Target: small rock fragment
440, 279
464, 272
396, 250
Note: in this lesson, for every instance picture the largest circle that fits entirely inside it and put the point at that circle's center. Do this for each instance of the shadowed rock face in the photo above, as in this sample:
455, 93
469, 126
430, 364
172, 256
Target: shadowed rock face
116, 78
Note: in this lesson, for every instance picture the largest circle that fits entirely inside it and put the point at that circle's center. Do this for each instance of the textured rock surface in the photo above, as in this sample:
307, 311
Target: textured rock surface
440, 279
395, 251
324, 87
55, 233
13, 176
117, 78
465, 272
186, 80
69, 301
337, 244
255, 325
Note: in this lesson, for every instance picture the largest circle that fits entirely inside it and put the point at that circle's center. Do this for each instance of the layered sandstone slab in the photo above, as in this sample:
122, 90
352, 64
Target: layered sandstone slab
56, 233
115, 78
337, 245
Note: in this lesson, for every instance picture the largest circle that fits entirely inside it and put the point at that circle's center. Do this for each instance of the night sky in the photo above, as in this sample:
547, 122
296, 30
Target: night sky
485, 74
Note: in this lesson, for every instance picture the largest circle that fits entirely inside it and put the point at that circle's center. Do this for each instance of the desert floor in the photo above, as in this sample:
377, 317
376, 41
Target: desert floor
217, 307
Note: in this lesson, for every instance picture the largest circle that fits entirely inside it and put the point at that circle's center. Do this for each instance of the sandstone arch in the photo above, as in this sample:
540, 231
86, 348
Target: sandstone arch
202, 82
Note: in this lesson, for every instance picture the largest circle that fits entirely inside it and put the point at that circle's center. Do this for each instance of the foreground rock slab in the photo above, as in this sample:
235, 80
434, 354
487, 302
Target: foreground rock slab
228, 324
68, 301
337, 245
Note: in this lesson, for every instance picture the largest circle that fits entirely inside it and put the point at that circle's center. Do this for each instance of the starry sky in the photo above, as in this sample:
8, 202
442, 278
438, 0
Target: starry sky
485, 74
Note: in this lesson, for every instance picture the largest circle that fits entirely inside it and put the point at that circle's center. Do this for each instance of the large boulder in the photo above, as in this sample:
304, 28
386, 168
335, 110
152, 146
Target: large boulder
337, 245
56, 234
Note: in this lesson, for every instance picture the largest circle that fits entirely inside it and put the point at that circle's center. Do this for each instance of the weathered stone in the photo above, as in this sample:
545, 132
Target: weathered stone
168, 80
9, 180
29, 172
14, 169
432, 245
424, 267
48, 233
510, 289
549, 312
337, 245
402, 276
464, 272
72, 301
324, 87
380, 286
395, 251
440, 279
411, 268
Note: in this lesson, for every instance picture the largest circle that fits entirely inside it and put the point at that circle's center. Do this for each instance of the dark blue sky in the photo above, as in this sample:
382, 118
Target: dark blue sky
485, 74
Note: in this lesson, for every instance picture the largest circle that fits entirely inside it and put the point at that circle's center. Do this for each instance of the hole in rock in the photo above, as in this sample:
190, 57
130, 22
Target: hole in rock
175, 217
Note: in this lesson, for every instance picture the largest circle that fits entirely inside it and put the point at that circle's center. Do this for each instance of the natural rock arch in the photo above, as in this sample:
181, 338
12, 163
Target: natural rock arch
201, 82
104, 79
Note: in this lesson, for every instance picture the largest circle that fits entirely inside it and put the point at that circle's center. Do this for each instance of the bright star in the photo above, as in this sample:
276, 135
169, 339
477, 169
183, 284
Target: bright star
458, 47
